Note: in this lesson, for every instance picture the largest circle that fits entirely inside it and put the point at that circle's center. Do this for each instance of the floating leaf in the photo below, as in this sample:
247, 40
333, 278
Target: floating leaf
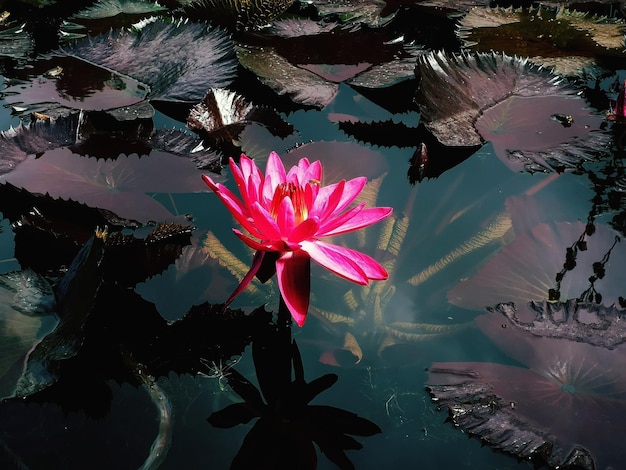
15, 41
564, 409
561, 38
80, 85
109, 8
179, 61
284, 78
223, 114
25, 298
238, 14
118, 185
465, 100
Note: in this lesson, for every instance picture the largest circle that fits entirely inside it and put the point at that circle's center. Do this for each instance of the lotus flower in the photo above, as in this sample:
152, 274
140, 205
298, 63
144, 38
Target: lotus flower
288, 212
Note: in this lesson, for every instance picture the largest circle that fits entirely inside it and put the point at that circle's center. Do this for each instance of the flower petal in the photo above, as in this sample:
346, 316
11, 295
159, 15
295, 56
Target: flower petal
327, 200
352, 189
286, 217
336, 259
264, 223
234, 205
274, 176
294, 281
362, 219
256, 264
305, 230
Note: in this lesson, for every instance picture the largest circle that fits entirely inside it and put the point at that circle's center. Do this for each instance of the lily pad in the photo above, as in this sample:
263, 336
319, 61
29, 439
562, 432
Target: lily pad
559, 38
240, 15
27, 305
223, 114
110, 8
564, 408
465, 98
77, 85
178, 61
119, 185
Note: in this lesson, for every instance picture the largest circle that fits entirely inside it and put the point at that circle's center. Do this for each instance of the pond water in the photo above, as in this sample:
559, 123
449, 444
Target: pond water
129, 372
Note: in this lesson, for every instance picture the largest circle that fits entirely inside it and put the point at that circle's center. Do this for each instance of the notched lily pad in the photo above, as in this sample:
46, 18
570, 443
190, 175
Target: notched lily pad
468, 99
240, 15
563, 408
177, 61
568, 40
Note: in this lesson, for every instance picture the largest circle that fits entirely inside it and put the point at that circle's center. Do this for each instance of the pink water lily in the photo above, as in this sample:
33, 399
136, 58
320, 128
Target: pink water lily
286, 214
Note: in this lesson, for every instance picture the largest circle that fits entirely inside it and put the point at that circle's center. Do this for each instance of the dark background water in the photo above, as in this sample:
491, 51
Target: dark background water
446, 212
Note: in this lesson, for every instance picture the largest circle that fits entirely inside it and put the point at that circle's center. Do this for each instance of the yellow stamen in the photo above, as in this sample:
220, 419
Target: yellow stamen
296, 194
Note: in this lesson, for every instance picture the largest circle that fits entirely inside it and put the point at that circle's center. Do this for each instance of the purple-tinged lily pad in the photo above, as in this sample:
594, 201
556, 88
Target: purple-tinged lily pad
271, 69
78, 85
468, 99
565, 408
178, 61
119, 185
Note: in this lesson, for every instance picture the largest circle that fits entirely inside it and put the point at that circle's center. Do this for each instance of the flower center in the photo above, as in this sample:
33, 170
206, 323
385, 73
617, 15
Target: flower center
298, 200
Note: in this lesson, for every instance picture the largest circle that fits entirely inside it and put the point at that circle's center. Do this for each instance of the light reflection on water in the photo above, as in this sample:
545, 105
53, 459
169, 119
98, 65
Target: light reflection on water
446, 212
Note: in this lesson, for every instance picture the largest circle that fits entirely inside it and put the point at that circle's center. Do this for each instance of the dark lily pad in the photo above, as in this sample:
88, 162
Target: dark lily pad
569, 41
26, 307
223, 114
178, 61
240, 15
109, 8
354, 11
15, 41
460, 95
119, 185
564, 409
67, 82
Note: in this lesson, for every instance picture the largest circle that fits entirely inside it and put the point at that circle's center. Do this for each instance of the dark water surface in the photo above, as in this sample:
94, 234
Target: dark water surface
381, 350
